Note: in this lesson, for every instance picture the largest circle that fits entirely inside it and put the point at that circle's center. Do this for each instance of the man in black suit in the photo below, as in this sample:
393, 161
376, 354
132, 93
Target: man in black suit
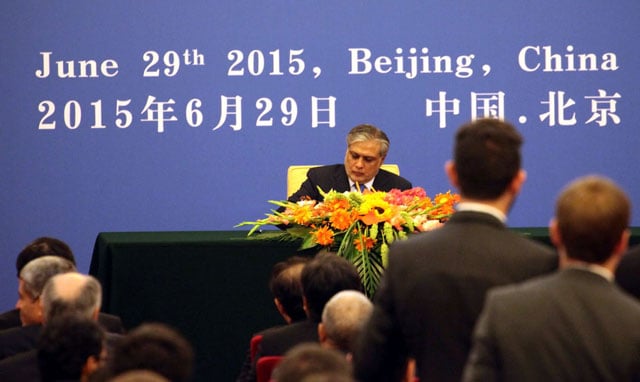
323, 277
50, 246
367, 148
68, 293
434, 286
285, 285
628, 272
575, 324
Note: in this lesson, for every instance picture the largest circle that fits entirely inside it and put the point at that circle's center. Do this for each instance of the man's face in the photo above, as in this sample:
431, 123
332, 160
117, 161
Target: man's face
30, 309
363, 160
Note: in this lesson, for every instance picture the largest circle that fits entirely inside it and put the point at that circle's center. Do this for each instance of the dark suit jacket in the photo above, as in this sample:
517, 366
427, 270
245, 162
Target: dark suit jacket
432, 293
277, 340
25, 338
628, 272
573, 325
110, 323
21, 367
334, 177
19, 339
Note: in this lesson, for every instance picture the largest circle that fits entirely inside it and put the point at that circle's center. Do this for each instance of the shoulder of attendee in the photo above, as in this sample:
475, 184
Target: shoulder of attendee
10, 319
111, 323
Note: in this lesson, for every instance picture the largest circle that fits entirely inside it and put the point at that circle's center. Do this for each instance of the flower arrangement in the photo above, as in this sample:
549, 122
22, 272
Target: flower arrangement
360, 226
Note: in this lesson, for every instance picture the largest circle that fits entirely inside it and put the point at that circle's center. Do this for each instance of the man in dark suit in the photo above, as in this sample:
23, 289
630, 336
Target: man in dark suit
50, 246
323, 277
434, 286
628, 272
68, 293
575, 324
367, 148
285, 285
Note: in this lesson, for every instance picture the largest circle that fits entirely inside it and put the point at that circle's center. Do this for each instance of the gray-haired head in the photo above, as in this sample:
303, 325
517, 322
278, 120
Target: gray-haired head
365, 132
37, 272
343, 319
71, 293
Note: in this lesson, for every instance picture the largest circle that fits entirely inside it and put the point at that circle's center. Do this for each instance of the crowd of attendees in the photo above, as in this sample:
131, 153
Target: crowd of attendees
470, 301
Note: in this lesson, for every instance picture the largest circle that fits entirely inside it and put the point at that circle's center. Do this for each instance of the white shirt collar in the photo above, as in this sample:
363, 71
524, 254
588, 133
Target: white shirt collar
480, 207
594, 268
368, 185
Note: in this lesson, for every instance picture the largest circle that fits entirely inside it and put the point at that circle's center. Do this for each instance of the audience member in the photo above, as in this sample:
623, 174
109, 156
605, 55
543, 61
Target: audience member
49, 246
68, 293
575, 324
367, 148
311, 362
286, 287
628, 272
33, 278
343, 318
139, 376
155, 347
70, 348
434, 286
324, 276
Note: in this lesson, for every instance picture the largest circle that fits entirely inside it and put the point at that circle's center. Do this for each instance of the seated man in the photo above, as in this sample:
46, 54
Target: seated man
49, 246
367, 148
70, 348
286, 287
343, 318
323, 277
68, 293
311, 362
32, 281
155, 347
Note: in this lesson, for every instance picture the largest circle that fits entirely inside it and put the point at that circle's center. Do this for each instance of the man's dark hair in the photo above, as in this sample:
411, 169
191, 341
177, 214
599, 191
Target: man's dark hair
156, 347
487, 157
309, 360
592, 214
65, 345
43, 246
323, 277
286, 285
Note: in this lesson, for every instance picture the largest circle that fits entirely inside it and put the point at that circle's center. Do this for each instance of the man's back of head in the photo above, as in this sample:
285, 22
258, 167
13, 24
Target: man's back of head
69, 346
323, 277
43, 246
343, 318
310, 361
155, 347
592, 219
286, 286
487, 157
72, 293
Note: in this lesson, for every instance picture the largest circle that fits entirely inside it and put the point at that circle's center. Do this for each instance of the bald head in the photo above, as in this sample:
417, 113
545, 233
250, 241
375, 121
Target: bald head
72, 293
343, 318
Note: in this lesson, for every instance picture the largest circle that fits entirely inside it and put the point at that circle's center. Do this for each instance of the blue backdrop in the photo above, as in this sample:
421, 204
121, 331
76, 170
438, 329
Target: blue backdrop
163, 115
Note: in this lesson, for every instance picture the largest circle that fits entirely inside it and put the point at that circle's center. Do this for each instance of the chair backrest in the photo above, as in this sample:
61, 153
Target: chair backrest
253, 345
265, 366
298, 173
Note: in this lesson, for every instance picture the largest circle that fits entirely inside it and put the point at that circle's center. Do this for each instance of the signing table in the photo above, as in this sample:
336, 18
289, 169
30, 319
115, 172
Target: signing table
211, 286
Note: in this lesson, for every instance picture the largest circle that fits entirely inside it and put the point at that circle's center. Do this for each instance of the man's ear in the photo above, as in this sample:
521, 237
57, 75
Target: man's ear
554, 233
518, 181
322, 334
452, 173
281, 310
